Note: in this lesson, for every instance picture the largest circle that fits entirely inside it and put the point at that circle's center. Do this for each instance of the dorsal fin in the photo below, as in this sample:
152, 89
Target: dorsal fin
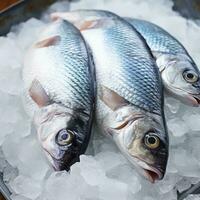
51, 41
82, 22
111, 98
69, 16
38, 94
93, 24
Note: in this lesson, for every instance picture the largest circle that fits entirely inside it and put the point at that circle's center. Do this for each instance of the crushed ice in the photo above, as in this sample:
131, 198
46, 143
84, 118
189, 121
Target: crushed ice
104, 174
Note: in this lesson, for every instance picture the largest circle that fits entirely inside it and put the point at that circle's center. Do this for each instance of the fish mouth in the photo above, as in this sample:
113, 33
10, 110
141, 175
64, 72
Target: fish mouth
194, 99
188, 98
197, 99
150, 173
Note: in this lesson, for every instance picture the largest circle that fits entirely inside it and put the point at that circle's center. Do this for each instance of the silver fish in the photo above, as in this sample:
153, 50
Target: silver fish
130, 98
180, 74
60, 87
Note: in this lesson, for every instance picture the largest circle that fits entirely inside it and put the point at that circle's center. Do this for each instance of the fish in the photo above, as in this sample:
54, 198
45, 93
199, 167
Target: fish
59, 85
129, 107
180, 74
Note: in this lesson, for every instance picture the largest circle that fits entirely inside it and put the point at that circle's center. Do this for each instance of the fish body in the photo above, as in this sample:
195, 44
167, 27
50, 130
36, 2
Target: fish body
130, 98
180, 74
60, 85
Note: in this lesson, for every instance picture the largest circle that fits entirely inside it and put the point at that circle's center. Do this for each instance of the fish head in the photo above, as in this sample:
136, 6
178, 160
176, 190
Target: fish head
61, 133
143, 140
181, 78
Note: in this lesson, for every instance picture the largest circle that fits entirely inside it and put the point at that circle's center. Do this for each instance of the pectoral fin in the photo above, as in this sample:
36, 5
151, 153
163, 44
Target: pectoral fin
52, 41
38, 94
93, 24
82, 22
68, 16
111, 98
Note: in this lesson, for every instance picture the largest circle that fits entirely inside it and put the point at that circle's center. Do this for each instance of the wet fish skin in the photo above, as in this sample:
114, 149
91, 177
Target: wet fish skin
59, 84
139, 56
136, 79
130, 97
173, 61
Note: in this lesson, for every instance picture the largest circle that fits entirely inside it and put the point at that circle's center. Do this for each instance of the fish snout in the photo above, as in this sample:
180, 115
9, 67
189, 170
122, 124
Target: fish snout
153, 174
197, 99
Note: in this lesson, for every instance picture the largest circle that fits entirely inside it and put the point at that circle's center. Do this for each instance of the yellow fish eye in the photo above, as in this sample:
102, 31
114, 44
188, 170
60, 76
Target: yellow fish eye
152, 141
190, 76
64, 137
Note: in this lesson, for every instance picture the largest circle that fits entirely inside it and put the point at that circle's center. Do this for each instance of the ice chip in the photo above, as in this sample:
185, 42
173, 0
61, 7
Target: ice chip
183, 159
11, 152
9, 173
27, 187
172, 104
91, 170
3, 162
193, 197
18, 197
183, 184
193, 121
109, 160
168, 183
177, 127
31, 154
113, 189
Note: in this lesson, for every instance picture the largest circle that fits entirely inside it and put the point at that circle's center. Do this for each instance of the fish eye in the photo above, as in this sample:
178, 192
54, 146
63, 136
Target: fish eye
190, 76
152, 141
64, 137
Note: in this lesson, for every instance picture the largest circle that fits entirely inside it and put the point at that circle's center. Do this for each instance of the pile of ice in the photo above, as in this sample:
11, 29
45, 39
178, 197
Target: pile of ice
104, 174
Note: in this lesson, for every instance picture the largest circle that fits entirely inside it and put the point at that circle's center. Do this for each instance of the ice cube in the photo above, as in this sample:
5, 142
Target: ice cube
27, 187
3, 163
6, 129
31, 154
113, 189
18, 197
183, 184
9, 173
177, 127
31, 27
11, 148
128, 175
172, 104
182, 159
109, 160
91, 170
168, 183
193, 121
71, 186
193, 197
194, 180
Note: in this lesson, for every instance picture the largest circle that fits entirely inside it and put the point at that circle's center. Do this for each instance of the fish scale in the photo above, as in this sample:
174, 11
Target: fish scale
157, 38
66, 76
136, 78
